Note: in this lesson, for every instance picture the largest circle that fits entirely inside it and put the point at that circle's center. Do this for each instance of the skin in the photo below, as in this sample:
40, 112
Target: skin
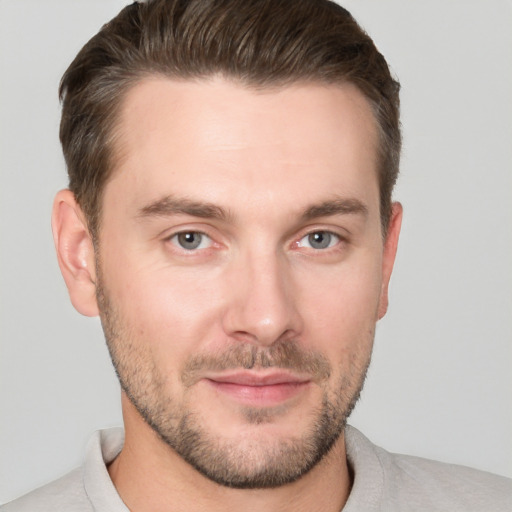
267, 164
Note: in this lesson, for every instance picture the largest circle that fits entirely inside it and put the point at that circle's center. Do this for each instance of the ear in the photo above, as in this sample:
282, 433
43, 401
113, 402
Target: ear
388, 255
75, 252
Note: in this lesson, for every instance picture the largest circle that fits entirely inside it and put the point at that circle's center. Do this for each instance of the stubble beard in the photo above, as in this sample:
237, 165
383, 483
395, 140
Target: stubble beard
253, 463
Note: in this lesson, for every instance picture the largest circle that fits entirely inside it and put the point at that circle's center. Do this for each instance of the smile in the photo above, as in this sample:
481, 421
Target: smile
259, 390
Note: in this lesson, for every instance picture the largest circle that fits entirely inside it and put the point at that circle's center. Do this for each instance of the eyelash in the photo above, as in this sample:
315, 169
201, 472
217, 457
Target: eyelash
333, 239
328, 238
174, 239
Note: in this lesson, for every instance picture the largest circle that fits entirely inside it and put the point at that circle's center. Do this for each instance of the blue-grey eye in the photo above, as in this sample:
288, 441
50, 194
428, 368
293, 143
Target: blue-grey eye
191, 240
319, 240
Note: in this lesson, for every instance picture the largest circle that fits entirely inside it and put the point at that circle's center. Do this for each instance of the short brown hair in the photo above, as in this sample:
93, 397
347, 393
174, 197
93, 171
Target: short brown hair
258, 42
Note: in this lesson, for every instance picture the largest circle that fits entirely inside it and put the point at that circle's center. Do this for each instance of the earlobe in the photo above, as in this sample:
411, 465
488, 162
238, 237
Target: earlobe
75, 252
389, 254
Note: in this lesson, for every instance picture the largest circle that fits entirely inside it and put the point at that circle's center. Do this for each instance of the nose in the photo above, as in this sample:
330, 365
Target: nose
263, 306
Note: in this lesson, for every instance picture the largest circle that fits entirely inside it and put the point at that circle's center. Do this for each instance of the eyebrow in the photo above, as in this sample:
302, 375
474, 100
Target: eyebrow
170, 205
337, 206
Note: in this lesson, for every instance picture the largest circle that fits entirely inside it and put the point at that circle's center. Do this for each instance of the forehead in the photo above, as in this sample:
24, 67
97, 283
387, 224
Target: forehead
219, 139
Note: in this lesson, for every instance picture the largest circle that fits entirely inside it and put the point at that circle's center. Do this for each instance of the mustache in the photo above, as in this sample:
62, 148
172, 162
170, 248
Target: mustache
286, 355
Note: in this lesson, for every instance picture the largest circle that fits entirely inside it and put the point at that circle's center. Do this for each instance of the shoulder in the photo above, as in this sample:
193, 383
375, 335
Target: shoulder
412, 483
445, 486
85, 489
66, 493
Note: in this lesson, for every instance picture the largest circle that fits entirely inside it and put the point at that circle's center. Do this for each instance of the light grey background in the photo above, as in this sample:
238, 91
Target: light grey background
440, 383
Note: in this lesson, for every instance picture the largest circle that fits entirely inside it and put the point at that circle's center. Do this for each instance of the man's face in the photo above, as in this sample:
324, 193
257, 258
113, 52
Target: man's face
240, 270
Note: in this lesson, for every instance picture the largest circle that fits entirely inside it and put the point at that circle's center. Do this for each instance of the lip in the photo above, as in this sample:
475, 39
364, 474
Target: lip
260, 389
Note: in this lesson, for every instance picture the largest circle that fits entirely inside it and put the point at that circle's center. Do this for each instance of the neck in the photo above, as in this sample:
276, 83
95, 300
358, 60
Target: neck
151, 476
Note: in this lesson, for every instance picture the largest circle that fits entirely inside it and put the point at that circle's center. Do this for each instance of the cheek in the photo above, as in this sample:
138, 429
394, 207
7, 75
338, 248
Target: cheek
172, 311
341, 309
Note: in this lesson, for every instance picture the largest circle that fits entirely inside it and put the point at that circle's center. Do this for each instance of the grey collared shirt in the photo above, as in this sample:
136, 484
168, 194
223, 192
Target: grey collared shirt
382, 482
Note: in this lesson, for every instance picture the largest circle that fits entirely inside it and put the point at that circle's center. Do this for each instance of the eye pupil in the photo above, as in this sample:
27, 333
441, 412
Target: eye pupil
190, 240
319, 239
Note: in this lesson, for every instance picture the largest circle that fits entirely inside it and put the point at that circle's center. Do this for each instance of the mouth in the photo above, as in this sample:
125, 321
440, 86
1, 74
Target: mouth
259, 389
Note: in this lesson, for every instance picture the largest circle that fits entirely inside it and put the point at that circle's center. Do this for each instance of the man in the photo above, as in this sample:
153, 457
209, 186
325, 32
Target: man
230, 219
